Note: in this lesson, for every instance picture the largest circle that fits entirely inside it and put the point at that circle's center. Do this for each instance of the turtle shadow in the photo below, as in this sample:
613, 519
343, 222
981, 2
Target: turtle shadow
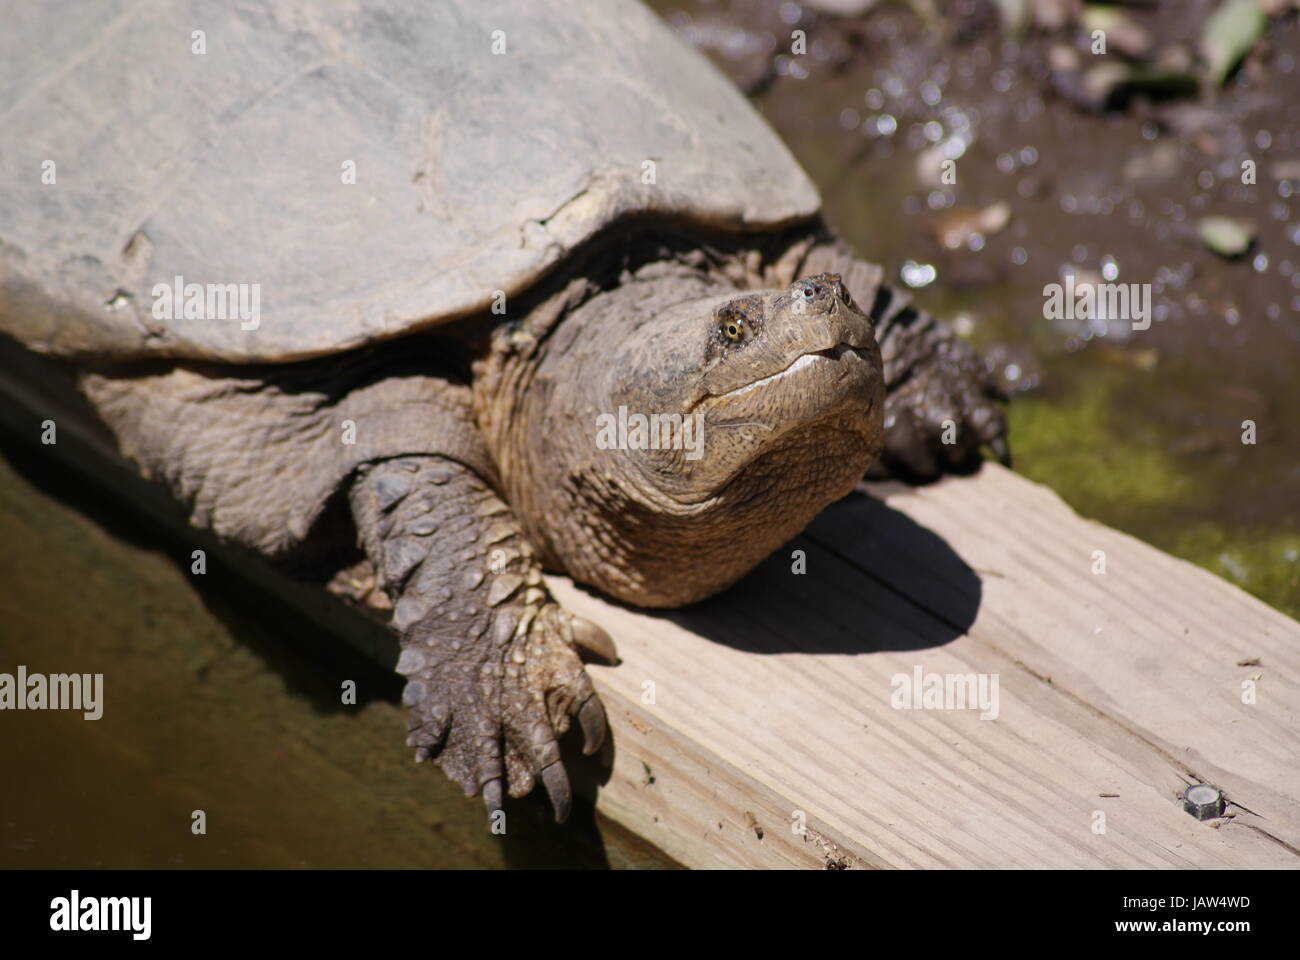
862, 578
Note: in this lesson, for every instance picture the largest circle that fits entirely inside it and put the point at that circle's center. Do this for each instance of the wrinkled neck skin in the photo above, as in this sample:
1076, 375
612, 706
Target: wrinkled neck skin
765, 405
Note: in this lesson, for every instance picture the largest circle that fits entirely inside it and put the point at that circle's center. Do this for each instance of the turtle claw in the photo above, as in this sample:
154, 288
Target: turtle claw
592, 720
594, 642
508, 705
493, 796
558, 789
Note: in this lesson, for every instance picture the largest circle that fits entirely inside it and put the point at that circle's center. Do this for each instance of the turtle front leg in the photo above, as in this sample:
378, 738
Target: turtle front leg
491, 660
941, 403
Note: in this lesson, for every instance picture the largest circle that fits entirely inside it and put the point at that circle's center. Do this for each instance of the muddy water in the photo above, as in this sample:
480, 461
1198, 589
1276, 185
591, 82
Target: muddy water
1139, 429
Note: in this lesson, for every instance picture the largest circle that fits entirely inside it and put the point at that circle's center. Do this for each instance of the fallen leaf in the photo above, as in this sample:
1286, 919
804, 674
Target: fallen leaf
1226, 236
1121, 32
957, 226
1229, 34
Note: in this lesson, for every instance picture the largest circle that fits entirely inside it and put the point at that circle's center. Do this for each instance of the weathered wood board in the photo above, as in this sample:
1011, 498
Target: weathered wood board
771, 704
775, 698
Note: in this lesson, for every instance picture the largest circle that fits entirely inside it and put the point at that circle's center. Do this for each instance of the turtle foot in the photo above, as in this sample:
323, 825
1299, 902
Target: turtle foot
492, 666
943, 407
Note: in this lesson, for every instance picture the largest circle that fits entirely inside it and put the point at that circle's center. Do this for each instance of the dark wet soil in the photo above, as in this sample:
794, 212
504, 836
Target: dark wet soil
1141, 429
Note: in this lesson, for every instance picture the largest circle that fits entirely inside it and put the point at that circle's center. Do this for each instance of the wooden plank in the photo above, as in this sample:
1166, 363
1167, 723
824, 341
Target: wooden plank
1156, 644
1124, 683
771, 703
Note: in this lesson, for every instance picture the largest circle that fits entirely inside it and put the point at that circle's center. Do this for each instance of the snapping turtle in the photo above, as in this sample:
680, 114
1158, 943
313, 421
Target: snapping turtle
483, 289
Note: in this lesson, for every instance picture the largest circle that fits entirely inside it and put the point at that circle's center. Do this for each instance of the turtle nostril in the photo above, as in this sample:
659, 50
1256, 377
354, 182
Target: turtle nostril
837, 351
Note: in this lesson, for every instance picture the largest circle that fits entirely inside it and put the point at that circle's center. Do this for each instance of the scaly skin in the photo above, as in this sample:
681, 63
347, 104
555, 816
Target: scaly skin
934, 379
494, 677
802, 364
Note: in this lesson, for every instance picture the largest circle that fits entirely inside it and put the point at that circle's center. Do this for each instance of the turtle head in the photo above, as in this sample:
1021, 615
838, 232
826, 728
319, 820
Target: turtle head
711, 429
764, 385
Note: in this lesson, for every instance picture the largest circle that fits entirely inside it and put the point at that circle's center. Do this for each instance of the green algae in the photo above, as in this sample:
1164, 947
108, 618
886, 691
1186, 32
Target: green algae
1118, 470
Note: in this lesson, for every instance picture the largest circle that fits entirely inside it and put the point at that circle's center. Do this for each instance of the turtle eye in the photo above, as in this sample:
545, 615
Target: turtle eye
733, 328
